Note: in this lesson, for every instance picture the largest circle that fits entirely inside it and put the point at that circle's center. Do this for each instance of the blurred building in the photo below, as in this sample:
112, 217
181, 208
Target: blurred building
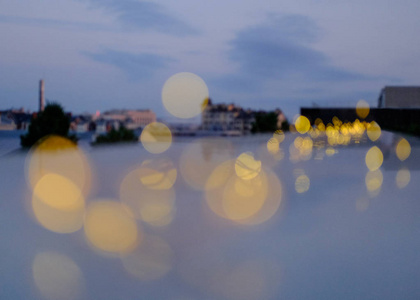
399, 97
131, 119
14, 119
228, 118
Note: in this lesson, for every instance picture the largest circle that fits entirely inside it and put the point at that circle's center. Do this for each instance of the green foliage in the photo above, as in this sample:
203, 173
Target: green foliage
266, 122
117, 136
52, 120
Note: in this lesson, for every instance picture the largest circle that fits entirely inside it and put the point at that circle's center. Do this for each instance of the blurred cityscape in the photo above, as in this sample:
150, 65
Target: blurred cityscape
398, 108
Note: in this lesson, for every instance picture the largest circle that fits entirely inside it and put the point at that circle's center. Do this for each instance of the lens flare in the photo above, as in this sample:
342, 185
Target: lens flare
158, 174
201, 157
58, 155
403, 149
362, 109
185, 95
374, 180
279, 135
273, 146
58, 204
373, 131
302, 124
271, 204
302, 184
57, 276
374, 158
403, 178
249, 202
109, 227
153, 206
156, 137
244, 198
246, 167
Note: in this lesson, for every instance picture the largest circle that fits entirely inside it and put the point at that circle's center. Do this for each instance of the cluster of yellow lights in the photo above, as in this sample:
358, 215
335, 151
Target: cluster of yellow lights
240, 189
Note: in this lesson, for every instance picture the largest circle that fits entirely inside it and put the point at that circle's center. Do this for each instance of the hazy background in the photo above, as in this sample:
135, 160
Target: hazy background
98, 55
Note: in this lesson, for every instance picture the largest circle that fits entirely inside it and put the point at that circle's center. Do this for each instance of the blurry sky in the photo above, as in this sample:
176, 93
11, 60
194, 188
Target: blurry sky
103, 54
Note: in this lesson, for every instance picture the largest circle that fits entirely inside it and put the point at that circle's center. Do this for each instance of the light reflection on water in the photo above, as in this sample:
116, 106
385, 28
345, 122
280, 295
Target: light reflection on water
317, 218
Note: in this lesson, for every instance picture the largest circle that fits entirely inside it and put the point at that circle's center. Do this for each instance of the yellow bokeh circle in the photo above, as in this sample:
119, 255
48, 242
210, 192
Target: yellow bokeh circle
185, 95
156, 137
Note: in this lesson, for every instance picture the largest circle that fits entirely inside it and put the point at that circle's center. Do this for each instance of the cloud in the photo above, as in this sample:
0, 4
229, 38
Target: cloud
280, 49
136, 66
133, 14
45, 22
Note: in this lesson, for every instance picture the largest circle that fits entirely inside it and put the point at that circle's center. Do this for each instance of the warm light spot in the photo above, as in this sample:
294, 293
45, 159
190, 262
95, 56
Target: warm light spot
158, 174
302, 124
110, 227
374, 158
58, 204
403, 149
362, 109
298, 142
201, 157
185, 95
58, 155
279, 135
403, 178
246, 167
374, 180
330, 151
57, 276
156, 137
373, 131
321, 127
151, 260
236, 199
271, 203
336, 121
244, 198
273, 146
153, 206
220, 175
302, 184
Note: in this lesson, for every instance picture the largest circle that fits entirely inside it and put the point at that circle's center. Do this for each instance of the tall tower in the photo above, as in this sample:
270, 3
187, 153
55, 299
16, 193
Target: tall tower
41, 95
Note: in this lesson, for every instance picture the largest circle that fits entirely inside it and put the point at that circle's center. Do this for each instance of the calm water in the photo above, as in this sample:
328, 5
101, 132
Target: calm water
330, 238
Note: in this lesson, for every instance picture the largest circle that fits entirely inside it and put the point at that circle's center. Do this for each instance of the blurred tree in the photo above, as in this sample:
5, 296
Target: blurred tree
267, 122
117, 136
52, 120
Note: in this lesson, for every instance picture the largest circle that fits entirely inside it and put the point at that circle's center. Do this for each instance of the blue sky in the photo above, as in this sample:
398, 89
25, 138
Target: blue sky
103, 54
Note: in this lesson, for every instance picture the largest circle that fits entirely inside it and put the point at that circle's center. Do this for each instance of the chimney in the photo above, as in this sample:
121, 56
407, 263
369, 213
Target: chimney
41, 95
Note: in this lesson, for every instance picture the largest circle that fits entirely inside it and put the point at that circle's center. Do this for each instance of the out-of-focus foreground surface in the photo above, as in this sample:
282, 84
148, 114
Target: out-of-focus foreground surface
318, 215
